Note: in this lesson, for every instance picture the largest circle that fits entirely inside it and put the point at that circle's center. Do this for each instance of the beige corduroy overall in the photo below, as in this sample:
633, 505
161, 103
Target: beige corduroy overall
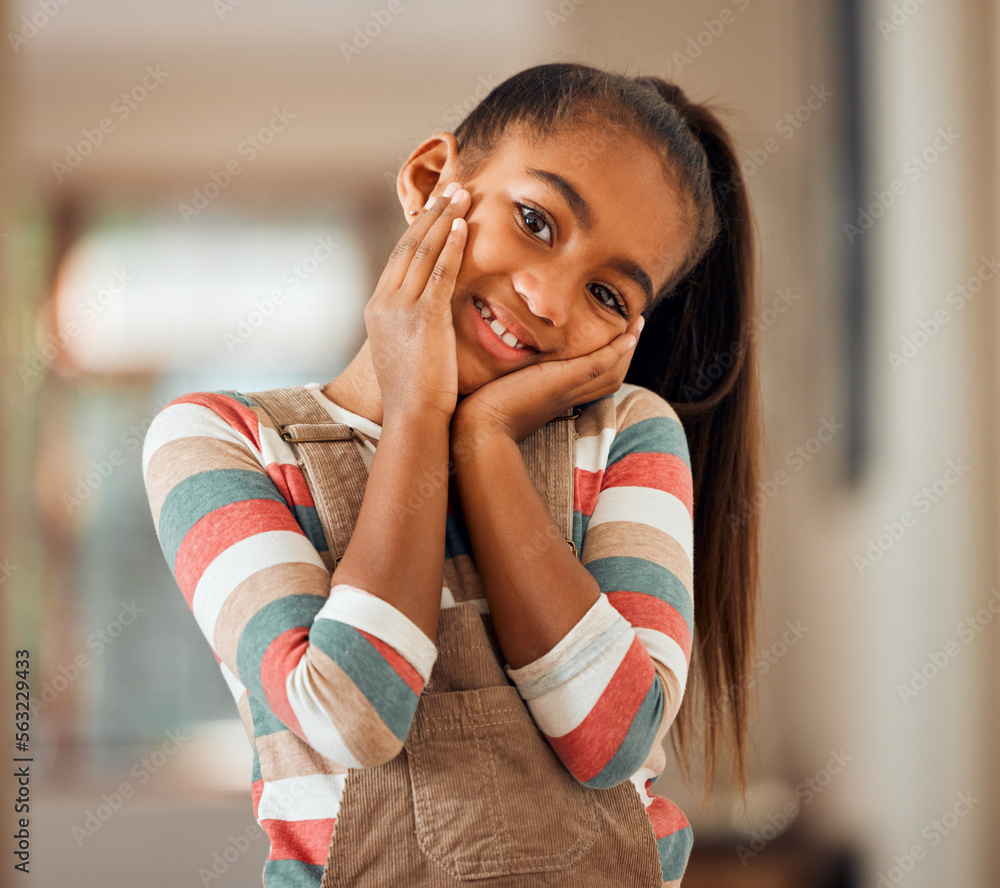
476, 797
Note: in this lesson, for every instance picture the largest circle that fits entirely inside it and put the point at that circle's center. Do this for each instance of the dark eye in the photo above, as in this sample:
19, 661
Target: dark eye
536, 223
609, 298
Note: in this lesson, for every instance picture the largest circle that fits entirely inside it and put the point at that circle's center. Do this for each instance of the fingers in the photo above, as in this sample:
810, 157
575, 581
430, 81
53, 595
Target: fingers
602, 371
413, 256
428, 254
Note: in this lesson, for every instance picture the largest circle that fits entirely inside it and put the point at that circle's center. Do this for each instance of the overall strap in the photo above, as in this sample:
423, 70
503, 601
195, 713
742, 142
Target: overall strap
549, 455
328, 456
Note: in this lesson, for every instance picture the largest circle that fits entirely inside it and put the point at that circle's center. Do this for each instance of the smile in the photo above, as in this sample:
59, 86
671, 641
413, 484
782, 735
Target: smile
499, 329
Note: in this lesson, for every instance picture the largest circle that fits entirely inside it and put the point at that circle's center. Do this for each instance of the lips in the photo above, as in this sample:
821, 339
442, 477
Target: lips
510, 323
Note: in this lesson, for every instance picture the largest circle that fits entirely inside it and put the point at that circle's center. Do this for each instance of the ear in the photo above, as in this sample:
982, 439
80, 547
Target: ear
426, 171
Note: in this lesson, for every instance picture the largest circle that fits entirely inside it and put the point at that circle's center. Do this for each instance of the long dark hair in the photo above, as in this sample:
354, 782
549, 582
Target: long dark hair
697, 350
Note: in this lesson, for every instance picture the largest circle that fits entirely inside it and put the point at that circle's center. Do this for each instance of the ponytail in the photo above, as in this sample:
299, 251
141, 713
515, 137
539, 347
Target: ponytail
709, 375
697, 351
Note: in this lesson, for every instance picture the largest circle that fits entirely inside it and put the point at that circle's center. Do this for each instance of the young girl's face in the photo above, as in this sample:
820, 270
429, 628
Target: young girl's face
569, 238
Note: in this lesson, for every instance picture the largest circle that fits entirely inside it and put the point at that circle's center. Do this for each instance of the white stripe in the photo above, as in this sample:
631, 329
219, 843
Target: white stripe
235, 685
598, 629
274, 448
186, 421
562, 709
666, 650
369, 613
639, 779
312, 797
592, 450
645, 505
317, 728
240, 561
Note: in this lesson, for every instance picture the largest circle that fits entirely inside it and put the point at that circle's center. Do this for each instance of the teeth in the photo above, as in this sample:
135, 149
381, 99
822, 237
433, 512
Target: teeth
498, 328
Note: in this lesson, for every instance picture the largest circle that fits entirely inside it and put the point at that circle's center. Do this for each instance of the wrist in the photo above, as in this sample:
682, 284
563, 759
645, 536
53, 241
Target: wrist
472, 439
411, 419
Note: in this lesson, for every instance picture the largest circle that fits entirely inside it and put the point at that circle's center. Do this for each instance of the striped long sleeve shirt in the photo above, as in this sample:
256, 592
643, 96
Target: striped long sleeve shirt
327, 679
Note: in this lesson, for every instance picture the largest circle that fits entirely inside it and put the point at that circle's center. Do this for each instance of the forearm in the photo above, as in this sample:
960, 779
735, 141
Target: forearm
536, 588
397, 548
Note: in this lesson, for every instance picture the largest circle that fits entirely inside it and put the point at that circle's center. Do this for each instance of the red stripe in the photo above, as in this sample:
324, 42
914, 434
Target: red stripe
651, 612
291, 483
222, 528
281, 657
241, 419
586, 487
666, 817
660, 471
256, 791
305, 840
593, 743
397, 662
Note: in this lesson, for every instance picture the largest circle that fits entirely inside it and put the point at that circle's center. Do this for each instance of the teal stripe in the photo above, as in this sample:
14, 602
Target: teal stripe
264, 722
292, 874
308, 519
674, 851
636, 744
255, 774
639, 575
274, 618
390, 696
238, 397
658, 434
195, 497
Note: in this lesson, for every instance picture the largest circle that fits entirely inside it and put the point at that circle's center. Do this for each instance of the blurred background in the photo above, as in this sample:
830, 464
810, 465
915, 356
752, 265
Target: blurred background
200, 195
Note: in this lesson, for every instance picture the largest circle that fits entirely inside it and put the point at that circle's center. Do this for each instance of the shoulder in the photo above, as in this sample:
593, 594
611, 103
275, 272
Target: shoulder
222, 415
636, 419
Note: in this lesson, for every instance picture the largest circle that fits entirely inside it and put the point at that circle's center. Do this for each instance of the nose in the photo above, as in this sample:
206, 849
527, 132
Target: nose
546, 298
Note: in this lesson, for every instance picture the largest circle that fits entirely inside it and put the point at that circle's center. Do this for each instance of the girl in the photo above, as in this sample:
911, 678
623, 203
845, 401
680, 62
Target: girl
466, 698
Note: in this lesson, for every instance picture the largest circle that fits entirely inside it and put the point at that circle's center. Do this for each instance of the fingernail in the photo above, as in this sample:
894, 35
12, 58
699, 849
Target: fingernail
451, 189
630, 340
642, 323
430, 202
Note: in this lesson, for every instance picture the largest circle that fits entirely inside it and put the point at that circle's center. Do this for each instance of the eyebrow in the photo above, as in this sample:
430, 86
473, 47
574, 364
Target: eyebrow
584, 216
